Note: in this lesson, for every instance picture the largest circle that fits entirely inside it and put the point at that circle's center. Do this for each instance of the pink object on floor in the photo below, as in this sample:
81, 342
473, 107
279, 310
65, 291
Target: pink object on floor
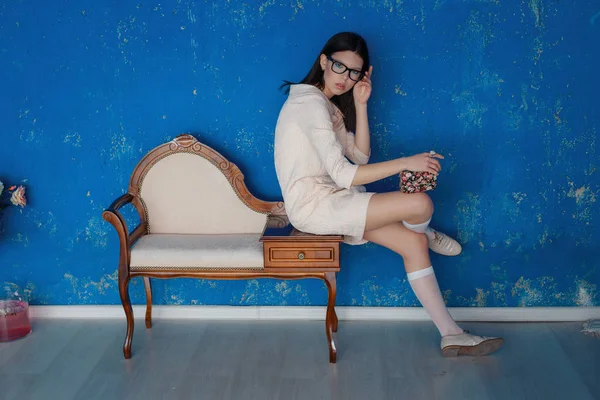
14, 320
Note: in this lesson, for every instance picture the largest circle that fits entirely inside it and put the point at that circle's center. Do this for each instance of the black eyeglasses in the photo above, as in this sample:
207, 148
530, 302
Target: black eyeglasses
339, 68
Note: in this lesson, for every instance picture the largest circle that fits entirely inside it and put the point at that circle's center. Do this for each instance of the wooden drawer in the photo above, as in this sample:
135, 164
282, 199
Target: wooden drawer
301, 255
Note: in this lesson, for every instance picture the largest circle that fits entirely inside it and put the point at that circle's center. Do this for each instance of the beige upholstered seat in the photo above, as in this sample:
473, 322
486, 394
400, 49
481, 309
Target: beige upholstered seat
196, 252
196, 221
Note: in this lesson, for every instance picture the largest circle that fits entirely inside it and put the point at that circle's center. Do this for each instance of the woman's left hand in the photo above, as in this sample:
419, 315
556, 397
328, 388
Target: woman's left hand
362, 89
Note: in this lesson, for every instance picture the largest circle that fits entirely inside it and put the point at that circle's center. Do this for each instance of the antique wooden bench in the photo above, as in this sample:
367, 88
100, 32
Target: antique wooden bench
198, 220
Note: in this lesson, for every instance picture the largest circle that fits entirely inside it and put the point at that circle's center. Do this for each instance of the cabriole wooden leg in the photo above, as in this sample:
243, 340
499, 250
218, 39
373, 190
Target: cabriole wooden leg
148, 287
329, 318
124, 292
335, 321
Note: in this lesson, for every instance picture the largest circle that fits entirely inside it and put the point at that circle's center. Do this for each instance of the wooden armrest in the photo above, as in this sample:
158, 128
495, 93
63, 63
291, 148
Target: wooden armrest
114, 217
120, 202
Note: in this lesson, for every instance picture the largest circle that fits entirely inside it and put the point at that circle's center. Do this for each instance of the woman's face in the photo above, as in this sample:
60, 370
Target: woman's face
341, 71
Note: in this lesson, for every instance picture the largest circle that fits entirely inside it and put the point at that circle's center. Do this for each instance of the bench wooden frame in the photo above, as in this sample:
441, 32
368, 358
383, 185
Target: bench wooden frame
291, 269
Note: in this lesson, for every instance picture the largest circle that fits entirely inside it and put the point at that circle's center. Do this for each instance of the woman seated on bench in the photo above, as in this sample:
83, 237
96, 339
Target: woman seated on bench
323, 191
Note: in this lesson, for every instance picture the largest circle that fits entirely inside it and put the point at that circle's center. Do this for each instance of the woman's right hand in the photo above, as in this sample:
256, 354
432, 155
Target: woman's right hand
426, 162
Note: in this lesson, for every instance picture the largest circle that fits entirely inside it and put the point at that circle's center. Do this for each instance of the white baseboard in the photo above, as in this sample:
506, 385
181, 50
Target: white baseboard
484, 314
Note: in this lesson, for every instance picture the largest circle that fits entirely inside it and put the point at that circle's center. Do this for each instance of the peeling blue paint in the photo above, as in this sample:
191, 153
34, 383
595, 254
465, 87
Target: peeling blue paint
504, 89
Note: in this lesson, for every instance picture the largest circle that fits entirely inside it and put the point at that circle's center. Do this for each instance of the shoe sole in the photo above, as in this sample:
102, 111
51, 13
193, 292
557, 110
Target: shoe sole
482, 349
446, 254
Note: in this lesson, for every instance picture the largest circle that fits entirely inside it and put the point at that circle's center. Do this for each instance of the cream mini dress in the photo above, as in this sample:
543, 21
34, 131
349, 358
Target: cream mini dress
313, 151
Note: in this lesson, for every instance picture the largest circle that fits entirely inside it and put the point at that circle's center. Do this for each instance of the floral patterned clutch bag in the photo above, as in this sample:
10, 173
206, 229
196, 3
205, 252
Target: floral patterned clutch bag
415, 182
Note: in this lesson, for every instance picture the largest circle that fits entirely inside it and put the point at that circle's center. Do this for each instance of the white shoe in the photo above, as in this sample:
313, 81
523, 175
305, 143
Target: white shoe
466, 344
444, 244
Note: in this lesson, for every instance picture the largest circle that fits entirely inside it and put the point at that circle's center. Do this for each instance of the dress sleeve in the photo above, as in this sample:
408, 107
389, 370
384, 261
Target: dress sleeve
350, 149
319, 129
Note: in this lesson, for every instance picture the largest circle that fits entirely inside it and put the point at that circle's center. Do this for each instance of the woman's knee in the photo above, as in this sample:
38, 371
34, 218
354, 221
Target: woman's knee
422, 206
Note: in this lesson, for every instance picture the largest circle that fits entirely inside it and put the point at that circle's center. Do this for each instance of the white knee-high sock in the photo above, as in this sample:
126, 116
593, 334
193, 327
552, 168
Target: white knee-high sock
420, 228
426, 288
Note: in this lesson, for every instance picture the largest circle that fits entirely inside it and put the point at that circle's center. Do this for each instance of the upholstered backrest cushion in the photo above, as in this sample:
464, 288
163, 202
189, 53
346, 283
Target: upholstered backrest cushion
185, 193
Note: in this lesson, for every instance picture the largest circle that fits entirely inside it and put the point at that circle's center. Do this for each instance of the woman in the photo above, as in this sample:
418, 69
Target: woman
323, 191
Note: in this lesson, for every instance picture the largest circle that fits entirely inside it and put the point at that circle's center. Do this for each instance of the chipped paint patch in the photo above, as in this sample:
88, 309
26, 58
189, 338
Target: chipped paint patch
396, 293
176, 299
470, 110
381, 134
106, 282
21, 238
469, 218
513, 238
536, 8
499, 293
298, 6
536, 292
191, 16
487, 79
582, 195
246, 143
128, 36
517, 110
249, 295
264, 6
393, 5
283, 289
120, 146
85, 289
302, 295
511, 205
543, 239
519, 197
526, 292
481, 299
73, 138
585, 200
96, 233
29, 132
398, 90
44, 222
274, 292
585, 293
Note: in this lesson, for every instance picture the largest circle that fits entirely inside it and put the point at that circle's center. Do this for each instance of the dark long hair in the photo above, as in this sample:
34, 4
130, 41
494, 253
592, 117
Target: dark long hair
344, 41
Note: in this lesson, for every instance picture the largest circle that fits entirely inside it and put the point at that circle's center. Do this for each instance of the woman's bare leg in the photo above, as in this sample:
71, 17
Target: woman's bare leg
414, 211
413, 247
414, 250
385, 208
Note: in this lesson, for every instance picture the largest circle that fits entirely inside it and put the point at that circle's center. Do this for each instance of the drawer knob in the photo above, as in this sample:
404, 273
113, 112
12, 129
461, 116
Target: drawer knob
301, 256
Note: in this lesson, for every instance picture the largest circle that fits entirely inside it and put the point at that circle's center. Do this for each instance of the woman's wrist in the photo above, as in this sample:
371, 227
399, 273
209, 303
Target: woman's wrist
400, 164
360, 106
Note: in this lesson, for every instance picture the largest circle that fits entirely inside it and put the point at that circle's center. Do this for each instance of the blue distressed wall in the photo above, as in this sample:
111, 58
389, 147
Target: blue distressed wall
507, 90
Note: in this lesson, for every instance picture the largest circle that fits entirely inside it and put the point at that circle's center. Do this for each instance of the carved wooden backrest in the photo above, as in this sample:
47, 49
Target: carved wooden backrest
188, 188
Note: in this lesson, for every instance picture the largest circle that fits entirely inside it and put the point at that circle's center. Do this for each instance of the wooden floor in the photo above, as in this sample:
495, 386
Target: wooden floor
82, 359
